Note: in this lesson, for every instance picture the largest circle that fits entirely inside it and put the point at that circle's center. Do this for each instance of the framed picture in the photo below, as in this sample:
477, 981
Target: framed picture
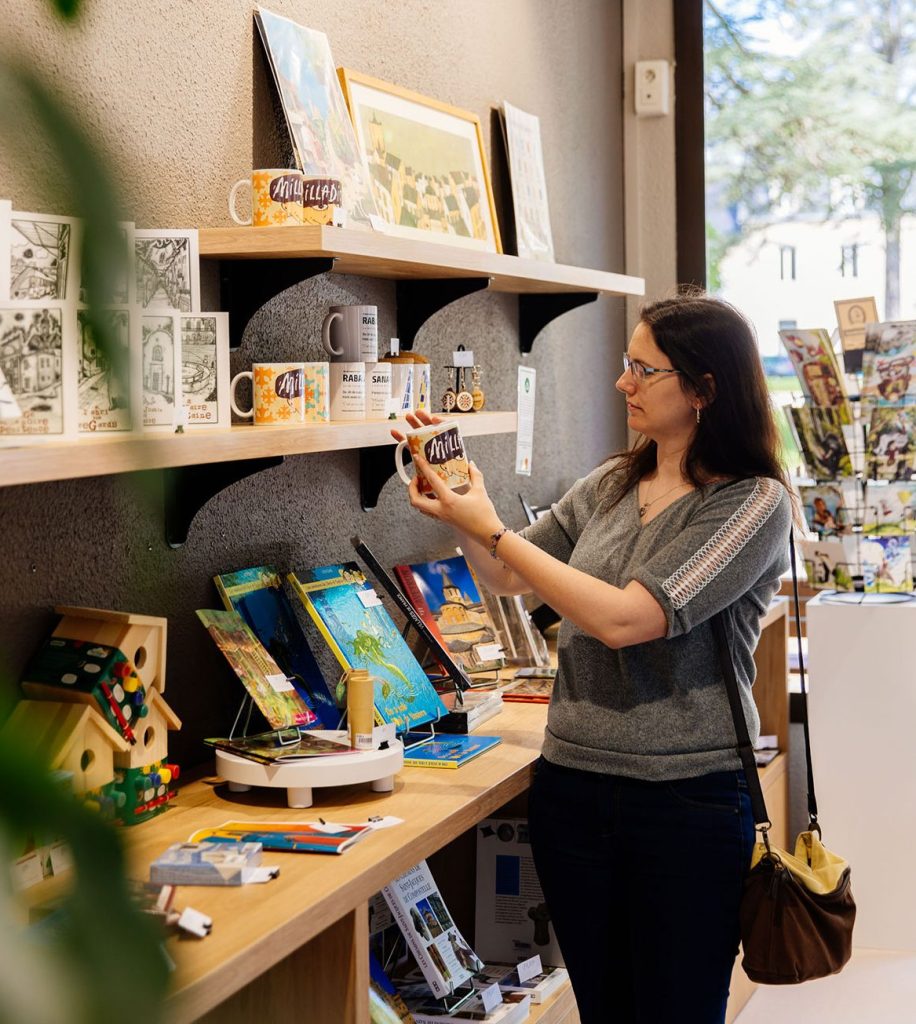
426, 164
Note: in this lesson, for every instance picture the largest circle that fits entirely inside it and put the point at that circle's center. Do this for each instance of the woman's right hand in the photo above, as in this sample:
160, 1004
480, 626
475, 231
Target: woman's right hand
416, 420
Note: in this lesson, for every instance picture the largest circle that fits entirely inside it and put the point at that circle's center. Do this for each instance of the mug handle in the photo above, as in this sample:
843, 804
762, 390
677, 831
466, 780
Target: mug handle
233, 192
398, 464
326, 334
239, 412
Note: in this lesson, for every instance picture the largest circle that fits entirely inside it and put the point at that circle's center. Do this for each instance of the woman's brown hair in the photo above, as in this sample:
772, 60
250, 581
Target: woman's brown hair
715, 349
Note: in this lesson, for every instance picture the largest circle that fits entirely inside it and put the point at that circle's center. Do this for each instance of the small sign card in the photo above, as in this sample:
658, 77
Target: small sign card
524, 439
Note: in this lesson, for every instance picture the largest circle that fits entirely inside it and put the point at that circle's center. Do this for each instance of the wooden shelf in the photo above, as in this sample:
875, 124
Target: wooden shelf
94, 457
373, 254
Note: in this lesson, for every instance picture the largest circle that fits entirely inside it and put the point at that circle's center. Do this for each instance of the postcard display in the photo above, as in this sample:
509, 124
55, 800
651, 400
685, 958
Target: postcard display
860, 452
166, 365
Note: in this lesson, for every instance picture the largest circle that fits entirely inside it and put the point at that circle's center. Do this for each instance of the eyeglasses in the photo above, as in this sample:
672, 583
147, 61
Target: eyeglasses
640, 371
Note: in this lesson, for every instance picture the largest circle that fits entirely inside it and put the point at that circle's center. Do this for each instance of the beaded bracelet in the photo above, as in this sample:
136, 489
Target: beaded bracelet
495, 538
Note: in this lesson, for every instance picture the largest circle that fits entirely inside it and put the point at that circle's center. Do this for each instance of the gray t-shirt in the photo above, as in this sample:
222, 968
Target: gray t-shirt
659, 710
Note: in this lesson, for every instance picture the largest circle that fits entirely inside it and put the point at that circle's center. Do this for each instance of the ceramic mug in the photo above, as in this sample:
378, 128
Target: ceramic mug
402, 398
348, 391
320, 199
316, 392
277, 393
442, 446
276, 197
350, 334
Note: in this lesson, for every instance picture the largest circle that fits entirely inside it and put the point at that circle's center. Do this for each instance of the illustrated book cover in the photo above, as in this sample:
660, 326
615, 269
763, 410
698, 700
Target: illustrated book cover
439, 948
891, 442
279, 747
889, 364
822, 441
830, 509
288, 836
266, 683
528, 691
886, 564
515, 1008
361, 634
890, 508
257, 594
447, 752
817, 369
829, 564
449, 590
512, 922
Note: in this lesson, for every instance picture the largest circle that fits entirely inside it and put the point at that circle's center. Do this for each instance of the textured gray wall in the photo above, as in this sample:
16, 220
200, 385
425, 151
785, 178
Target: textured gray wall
169, 85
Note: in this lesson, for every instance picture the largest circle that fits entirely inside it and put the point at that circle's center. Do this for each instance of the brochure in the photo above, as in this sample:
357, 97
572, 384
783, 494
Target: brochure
290, 836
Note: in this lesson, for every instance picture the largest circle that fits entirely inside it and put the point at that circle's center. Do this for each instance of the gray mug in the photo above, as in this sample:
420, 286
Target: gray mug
350, 334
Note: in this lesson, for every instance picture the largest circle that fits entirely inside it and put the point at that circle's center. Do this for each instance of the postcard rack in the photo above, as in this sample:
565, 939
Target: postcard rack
862, 503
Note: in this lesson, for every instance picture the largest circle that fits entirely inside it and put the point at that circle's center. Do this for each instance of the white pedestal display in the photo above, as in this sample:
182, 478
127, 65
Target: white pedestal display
299, 778
862, 707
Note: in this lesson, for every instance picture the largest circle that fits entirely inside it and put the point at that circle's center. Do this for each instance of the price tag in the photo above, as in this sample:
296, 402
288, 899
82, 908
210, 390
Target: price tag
491, 997
377, 223
280, 683
489, 652
383, 734
463, 358
329, 827
530, 968
339, 218
61, 858
387, 822
368, 598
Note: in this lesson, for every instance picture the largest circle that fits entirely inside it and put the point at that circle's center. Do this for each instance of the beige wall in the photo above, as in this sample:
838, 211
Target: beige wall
168, 86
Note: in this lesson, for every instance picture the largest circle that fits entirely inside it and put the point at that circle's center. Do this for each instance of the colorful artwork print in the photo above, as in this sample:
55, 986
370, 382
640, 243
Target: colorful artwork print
889, 363
886, 564
426, 164
264, 680
361, 634
43, 257
891, 443
820, 437
890, 509
31, 361
828, 564
205, 368
160, 345
826, 509
816, 366
167, 270
316, 113
451, 593
103, 383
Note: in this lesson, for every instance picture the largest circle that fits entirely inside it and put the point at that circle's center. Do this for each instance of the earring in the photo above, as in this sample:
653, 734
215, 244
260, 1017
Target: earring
698, 414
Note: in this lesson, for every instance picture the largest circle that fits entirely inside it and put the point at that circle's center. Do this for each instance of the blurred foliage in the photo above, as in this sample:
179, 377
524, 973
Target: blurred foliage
97, 959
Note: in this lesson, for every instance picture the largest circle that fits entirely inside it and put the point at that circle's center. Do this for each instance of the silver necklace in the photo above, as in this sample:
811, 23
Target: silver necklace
644, 508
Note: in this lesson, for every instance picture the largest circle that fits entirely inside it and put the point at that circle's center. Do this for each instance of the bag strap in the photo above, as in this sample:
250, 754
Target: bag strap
745, 747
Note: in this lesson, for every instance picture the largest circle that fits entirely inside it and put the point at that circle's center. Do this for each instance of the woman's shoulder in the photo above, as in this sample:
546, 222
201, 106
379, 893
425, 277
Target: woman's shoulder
752, 499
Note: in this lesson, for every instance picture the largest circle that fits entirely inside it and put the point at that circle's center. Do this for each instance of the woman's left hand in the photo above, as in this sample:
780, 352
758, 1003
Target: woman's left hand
471, 513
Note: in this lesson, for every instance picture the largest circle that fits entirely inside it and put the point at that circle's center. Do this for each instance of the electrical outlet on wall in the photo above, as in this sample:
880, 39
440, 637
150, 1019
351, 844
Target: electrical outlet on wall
652, 87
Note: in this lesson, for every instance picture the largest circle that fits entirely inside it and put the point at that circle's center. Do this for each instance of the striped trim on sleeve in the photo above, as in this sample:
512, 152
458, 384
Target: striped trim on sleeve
686, 582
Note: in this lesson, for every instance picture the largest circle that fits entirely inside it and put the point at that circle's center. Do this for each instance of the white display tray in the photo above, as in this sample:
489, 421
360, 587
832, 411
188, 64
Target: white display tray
299, 778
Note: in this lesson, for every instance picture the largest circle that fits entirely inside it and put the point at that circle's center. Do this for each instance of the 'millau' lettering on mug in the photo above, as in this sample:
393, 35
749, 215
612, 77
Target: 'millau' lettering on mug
289, 384
286, 188
444, 447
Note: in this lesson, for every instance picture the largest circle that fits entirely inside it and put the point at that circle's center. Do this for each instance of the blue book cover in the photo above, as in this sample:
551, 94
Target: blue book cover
257, 595
450, 591
445, 752
361, 633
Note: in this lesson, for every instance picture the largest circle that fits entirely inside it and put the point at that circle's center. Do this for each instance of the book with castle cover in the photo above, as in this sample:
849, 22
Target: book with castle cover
257, 594
361, 634
275, 696
450, 595
440, 950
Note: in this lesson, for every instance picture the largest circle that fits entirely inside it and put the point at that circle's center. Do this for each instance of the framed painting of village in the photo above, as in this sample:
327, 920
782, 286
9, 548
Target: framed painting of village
426, 164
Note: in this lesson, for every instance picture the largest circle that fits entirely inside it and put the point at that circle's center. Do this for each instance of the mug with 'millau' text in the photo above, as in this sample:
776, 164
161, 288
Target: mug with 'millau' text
442, 446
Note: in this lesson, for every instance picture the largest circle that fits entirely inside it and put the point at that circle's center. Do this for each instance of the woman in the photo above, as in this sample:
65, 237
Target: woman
640, 819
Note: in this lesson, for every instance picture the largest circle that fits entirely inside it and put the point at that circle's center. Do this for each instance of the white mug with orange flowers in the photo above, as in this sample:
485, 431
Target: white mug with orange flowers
277, 393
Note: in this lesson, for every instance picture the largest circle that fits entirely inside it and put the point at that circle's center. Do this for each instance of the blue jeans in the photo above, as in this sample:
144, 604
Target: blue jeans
643, 882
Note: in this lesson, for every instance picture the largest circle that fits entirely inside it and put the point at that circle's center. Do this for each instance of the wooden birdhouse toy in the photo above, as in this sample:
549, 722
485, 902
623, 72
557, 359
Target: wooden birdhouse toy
151, 734
73, 737
140, 638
